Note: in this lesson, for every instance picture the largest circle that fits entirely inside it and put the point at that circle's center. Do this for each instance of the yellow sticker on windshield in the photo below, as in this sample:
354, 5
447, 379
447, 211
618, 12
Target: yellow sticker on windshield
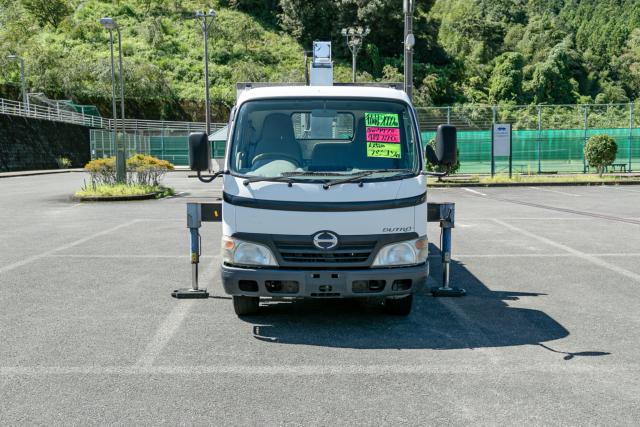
383, 120
384, 150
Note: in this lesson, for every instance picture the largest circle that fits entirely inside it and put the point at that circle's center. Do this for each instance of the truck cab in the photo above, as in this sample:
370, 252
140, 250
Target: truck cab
324, 195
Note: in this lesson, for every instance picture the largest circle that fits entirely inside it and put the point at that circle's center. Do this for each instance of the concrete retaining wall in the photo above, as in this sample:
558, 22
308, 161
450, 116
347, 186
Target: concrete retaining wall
28, 144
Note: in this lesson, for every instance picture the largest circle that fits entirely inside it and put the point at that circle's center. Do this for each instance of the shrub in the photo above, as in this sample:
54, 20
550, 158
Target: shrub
146, 170
600, 152
141, 169
437, 168
102, 171
63, 162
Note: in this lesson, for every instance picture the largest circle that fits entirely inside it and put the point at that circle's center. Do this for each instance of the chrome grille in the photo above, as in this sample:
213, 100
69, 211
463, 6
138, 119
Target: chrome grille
344, 253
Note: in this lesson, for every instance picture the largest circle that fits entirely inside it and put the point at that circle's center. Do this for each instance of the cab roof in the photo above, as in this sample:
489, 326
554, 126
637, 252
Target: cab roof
322, 91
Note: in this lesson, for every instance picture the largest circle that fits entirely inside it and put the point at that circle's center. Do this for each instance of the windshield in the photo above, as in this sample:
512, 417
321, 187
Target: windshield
311, 139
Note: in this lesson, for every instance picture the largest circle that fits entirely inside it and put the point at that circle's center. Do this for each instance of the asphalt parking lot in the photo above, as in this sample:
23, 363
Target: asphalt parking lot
549, 333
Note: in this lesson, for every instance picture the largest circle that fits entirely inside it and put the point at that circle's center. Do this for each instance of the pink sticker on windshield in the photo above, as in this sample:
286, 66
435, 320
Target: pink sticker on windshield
377, 134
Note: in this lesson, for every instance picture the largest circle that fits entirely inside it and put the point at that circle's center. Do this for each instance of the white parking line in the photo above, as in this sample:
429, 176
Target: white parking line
100, 256
585, 256
165, 332
615, 187
170, 325
473, 191
32, 258
431, 368
538, 255
556, 191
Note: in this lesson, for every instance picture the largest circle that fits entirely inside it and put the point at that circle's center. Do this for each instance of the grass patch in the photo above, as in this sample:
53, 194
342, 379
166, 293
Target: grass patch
535, 179
123, 190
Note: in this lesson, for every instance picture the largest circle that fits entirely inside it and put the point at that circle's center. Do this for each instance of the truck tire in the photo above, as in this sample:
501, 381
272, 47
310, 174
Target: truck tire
399, 306
245, 306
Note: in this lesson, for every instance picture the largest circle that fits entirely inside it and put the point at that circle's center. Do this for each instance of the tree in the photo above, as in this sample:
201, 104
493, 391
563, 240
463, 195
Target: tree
48, 11
438, 168
552, 80
600, 152
506, 78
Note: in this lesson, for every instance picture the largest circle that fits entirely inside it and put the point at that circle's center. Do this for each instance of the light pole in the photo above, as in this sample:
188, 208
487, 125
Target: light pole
408, 7
355, 36
206, 19
25, 98
121, 170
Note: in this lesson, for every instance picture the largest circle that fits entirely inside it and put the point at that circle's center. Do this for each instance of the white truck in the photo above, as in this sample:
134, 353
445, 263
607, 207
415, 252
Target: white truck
324, 195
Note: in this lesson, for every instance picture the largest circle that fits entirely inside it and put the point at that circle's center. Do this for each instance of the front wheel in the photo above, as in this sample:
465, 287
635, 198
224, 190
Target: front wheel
245, 306
399, 306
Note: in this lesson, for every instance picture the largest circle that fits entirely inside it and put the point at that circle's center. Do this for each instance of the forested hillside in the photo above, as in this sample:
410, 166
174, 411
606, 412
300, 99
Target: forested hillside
467, 51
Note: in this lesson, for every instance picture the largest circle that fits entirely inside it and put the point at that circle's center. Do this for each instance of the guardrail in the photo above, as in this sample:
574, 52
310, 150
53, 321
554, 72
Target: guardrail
57, 114
16, 108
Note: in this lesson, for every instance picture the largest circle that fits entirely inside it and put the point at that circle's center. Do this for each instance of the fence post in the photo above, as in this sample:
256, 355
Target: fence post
449, 115
539, 139
494, 109
162, 140
630, 132
584, 142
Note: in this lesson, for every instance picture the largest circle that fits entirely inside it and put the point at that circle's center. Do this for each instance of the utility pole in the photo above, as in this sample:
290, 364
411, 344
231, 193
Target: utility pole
408, 7
23, 83
121, 167
206, 19
355, 37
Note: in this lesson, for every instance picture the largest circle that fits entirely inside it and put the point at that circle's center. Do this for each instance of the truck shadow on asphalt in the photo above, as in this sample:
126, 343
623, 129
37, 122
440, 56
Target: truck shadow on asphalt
481, 319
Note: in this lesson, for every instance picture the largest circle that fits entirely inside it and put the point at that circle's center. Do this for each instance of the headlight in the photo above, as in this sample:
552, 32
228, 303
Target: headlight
410, 252
239, 252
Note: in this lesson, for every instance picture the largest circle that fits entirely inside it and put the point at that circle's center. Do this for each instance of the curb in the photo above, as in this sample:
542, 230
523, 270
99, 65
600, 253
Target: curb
18, 174
533, 184
147, 196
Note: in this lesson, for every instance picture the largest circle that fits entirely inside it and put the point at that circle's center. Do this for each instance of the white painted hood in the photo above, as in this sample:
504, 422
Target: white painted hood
270, 221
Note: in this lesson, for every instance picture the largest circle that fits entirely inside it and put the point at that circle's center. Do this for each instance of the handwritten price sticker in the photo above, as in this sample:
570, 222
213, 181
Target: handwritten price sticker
384, 120
384, 150
377, 134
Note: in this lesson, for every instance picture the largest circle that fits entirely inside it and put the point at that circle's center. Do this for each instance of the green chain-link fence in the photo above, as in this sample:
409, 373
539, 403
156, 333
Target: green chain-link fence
546, 138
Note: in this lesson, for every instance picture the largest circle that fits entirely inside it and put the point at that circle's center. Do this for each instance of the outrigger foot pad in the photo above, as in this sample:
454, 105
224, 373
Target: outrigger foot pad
448, 292
190, 293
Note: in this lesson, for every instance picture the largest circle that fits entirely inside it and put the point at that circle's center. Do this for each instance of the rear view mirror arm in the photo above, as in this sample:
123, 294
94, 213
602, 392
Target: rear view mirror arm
210, 178
438, 174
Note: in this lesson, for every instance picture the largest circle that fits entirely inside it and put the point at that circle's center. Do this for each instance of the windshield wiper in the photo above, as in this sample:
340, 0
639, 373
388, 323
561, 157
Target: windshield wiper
286, 179
359, 175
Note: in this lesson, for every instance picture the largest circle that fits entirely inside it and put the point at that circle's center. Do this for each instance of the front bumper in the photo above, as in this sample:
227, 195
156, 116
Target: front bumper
323, 283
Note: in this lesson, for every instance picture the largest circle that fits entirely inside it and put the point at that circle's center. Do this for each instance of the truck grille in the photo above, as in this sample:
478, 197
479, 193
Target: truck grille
299, 252
307, 253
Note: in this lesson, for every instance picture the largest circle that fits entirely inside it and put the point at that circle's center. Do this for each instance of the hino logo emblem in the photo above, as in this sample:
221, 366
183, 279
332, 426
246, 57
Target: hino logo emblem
325, 240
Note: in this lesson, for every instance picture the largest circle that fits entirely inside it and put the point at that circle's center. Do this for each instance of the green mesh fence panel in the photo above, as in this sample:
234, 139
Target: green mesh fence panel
533, 151
545, 150
90, 110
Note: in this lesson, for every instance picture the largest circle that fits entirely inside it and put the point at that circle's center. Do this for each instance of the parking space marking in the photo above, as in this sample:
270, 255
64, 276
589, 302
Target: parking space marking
585, 256
473, 191
430, 368
32, 258
538, 255
165, 332
99, 256
170, 325
615, 187
556, 191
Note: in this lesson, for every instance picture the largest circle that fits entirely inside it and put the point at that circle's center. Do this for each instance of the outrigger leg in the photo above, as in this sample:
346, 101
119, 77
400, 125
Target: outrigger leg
194, 221
445, 214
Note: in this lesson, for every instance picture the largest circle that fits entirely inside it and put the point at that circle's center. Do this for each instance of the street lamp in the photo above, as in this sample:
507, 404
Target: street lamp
206, 19
355, 36
408, 7
121, 173
25, 98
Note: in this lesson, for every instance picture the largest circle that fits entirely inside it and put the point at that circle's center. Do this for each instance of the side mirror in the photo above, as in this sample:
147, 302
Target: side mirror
446, 145
199, 152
